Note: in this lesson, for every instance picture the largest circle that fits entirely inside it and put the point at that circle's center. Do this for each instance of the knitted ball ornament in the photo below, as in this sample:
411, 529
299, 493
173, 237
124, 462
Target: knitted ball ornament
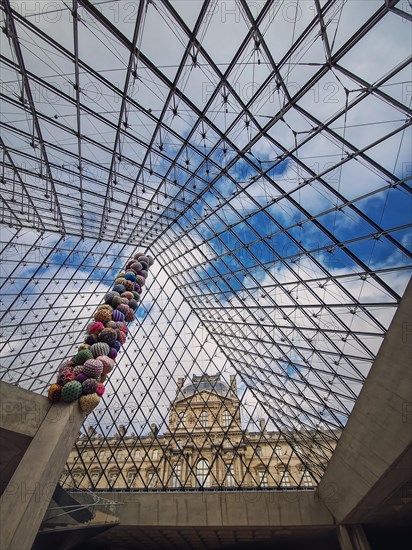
136, 296
108, 335
65, 377
71, 391
140, 280
111, 324
130, 277
105, 306
93, 368
143, 273
133, 304
94, 328
91, 339
125, 301
81, 377
83, 346
103, 378
117, 300
121, 324
112, 353
119, 288
101, 348
128, 295
82, 356
89, 402
144, 259
150, 260
129, 285
123, 308
136, 266
129, 315
89, 386
100, 389
117, 315
54, 393
77, 370
117, 345
109, 297
120, 281
121, 337
138, 254
103, 315
108, 364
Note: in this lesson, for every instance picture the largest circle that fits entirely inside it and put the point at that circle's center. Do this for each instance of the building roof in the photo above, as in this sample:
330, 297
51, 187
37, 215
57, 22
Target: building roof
205, 382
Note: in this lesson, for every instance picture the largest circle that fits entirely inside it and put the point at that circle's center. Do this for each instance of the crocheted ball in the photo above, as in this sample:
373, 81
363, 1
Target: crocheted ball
89, 402
108, 335
81, 377
91, 339
119, 288
54, 393
128, 295
103, 315
125, 301
122, 326
130, 277
89, 386
82, 356
138, 254
103, 378
123, 308
117, 315
140, 280
101, 348
83, 346
105, 306
144, 259
94, 328
120, 280
93, 368
117, 300
77, 370
112, 353
129, 316
117, 345
136, 296
143, 273
108, 364
150, 260
129, 285
65, 377
138, 289
136, 266
71, 391
109, 297
133, 304
111, 324
100, 389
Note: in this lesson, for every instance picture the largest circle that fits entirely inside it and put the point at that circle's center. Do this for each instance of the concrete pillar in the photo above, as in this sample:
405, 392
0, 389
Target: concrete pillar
27, 495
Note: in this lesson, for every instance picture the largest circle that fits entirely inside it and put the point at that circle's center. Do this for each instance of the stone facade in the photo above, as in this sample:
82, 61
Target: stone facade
204, 445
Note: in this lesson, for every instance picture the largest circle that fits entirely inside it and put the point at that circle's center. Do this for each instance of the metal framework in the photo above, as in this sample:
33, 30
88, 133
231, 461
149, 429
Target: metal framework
260, 150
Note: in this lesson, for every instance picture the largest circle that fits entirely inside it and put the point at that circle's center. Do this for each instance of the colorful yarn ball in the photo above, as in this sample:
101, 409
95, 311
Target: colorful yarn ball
119, 288
108, 336
89, 402
91, 339
100, 389
55, 393
117, 315
112, 353
101, 348
130, 277
136, 296
89, 386
129, 315
65, 377
83, 346
150, 260
121, 337
117, 345
136, 266
123, 308
103, 378
82, 356
108, 364
125, 301
128, 295
111, 324
93, 328
81, 377
109, 296
129, 285
105, 306
133, 304
117, 300
71, 391
93, 368
140, 280
103, 315
138, 289
120, 280
77, 370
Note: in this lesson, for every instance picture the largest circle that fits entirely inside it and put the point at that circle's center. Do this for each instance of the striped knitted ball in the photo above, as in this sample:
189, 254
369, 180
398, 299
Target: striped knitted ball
89, 402
128, 295
100, 389
55, 393
93, 368
81, 377
129, 315
94, 327
101, 348
82, 356
117, 345
122, 308
103, 315
117, 315
71, 391
129, 285
109, 297
112, 353
133, 304
89, 386
108, 364
130, 277
119, 288
108, 335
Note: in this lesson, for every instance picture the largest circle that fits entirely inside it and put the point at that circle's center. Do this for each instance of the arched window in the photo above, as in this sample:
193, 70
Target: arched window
278, 450
226, 419
204, 419
307, 480
177, 472
285, 480
181, 420
76, 477
263, 478
259, 451
131, 476
112, 477
230, 475
202, 473
152, 478
95, 476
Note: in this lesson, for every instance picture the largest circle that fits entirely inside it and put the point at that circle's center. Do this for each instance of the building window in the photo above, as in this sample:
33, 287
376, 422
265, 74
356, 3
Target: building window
131, 476
181, 420
226, 419
202, 473
285, 481
263, 478
307, 480
278, 450
204, 419
95, 475
113, 474
101, 455
119, 455
177, 472
230, 475
137, 454
77, 475
155, 454
151, 479
259, 451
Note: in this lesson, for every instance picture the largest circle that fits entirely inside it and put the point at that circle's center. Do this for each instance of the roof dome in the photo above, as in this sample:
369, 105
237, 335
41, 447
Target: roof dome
211, 383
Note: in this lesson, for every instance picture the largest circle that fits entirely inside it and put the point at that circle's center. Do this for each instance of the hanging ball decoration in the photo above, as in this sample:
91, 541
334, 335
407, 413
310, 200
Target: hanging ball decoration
138, 254
120, 280
144, 259
133, 304
93, 368
71, 391
101, 348
109, 297
125, 301
129, 315
105, 306
136, 295
108, 364
55, 393
150, 260
91, 339
89, 386
118, 315
82, 356
117, 345
111, 324
121, 337
89, 402
103, 378
130, 277
129, 285
136, 266
81, 377
119, 288
123, 308
128, 294
140, 280
143, 273
77, 370
112, 353
93, 328
65, 377
108, 336
117, 300
100, 389
103, 315
83, 346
